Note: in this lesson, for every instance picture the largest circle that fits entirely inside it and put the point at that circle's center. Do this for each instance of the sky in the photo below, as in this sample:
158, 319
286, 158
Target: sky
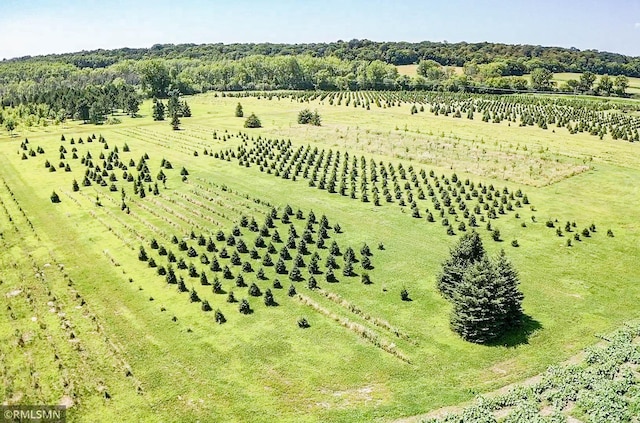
33, 27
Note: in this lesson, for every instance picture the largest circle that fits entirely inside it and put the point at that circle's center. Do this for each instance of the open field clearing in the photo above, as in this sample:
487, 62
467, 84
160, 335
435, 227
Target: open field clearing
170, 282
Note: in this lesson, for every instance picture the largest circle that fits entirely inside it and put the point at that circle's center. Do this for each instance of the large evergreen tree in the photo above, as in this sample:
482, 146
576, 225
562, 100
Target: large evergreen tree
485, 295
467, 251
508, 281
479, 309
173, 104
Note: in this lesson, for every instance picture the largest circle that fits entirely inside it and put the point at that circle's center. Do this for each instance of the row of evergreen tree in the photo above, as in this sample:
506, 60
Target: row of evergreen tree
175, 109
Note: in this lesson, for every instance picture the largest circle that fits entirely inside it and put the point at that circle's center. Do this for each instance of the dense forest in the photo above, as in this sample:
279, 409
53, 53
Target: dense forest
520, 58
91, 85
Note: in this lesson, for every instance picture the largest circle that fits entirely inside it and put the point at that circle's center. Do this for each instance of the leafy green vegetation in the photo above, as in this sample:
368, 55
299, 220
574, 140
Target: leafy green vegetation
602, 386
112, 334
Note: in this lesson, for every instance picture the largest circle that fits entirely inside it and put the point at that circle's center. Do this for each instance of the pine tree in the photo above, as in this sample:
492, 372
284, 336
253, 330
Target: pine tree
295, 274
479, 309
206, 306
239, 112
281, 268
252, 122
254, 290
244, 307
173, 104
193, 296
158, 110
467, 251
509, 281
269, 301
292, 291
185, 110
220, 319
347, 270
175, 122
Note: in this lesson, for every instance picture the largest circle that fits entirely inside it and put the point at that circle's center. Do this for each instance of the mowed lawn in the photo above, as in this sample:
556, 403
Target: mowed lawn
262, 367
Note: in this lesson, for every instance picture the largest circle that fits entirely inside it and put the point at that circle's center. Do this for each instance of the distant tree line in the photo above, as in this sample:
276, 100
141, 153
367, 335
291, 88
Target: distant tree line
519, 59
91, 85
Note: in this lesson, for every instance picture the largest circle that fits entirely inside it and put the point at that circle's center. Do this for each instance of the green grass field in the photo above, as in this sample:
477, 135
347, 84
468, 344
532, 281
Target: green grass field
87, 323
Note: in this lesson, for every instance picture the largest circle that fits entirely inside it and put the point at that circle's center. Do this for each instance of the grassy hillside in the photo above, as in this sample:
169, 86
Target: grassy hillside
88, 322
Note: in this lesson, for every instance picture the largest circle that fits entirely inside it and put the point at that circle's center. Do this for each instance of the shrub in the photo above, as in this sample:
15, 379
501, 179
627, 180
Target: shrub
303, 323
54, 197
306, 117
252, 122
404, 295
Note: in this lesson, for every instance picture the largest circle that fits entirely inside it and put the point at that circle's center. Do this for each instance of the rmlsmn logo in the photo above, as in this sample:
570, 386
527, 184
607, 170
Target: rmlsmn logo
33, 413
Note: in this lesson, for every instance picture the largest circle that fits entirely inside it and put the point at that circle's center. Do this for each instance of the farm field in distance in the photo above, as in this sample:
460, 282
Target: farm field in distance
558, 77
100, 328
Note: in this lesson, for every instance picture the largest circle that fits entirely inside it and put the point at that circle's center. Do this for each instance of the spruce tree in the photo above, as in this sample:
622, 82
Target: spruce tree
173, 104
252, 122
220, 319
509, 281
158, 110
254, 290
467, 251
244, 307
479, 309
269, 301
175, 122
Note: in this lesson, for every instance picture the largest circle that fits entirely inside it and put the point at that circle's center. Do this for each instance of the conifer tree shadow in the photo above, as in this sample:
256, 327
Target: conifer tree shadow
520, 335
